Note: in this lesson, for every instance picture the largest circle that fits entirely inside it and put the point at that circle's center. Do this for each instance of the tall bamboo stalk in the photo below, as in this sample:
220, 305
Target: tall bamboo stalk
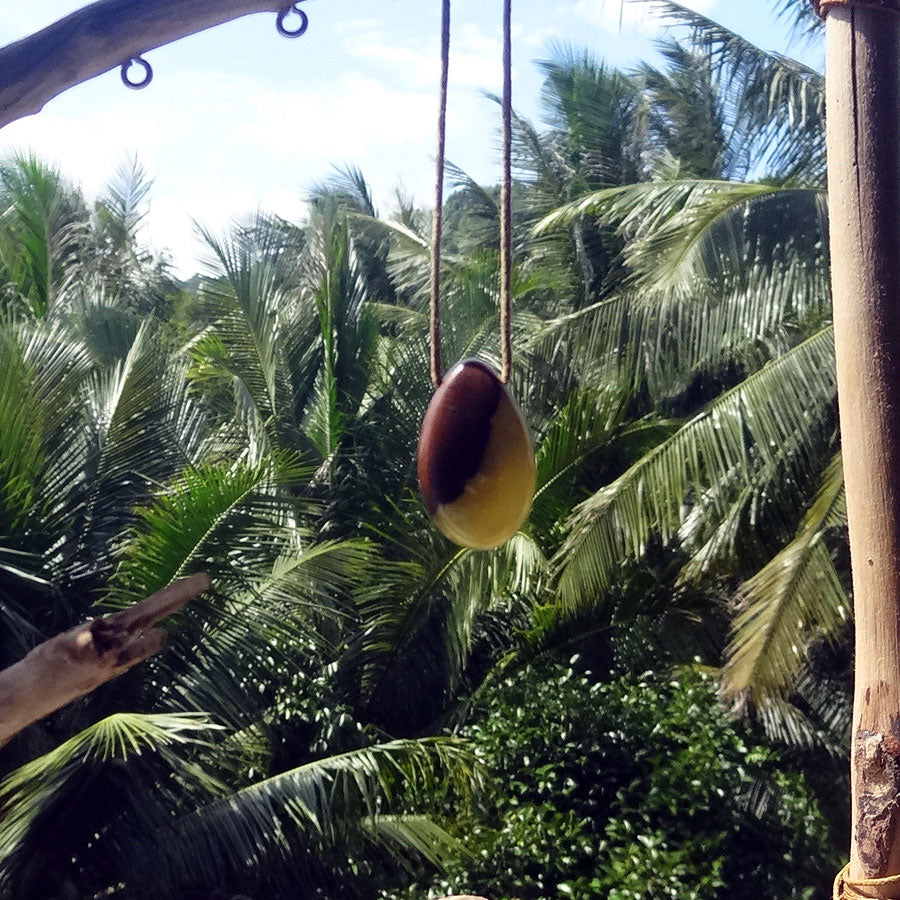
863, 132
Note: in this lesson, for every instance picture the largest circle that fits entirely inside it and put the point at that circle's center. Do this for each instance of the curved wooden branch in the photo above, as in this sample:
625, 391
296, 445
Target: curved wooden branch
100, 37
75, 662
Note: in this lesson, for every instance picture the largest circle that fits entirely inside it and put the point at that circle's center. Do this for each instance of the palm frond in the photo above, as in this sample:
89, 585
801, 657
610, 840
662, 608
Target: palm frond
324, 803
123, 206
806, 22
349, 188
36, 797
42, 220
21, 451
776, 105
797, 599
787, 724
410, 838
42, 373
191, 524
588, 433
683, 231
422, 620
243, 299
348, 334
742, 428
141, 424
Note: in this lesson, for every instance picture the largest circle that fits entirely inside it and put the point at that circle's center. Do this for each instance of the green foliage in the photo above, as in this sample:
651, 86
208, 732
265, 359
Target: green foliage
635, 789
674, 360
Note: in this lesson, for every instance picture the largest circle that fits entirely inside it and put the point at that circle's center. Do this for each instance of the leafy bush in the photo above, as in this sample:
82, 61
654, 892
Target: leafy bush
636, 789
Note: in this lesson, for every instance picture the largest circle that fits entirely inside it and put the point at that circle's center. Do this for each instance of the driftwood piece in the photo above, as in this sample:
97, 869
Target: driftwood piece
77, 661
99, 37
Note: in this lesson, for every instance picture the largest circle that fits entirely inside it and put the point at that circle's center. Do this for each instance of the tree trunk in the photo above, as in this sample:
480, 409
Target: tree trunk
863, 112
100, 37
72, 664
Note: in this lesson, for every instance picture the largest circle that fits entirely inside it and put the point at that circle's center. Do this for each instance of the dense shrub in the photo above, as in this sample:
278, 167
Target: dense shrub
635, 789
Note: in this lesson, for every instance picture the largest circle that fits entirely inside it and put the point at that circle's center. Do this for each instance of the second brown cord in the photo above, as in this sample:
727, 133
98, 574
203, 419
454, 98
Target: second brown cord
505, 202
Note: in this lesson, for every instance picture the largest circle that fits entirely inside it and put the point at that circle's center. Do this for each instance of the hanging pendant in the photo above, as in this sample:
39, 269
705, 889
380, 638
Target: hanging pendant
475, 458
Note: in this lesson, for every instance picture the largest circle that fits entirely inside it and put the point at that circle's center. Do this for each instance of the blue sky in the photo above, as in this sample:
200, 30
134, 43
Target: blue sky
238, 118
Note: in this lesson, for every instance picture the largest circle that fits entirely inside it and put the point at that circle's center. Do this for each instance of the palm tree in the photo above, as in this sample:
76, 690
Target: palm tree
673, 357
43, 223
724, 323
116, 478
55, 251
596, 137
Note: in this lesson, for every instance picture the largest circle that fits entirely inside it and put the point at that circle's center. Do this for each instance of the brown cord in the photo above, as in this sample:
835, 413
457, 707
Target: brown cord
845, 889
506, 202
824, 6
437, 219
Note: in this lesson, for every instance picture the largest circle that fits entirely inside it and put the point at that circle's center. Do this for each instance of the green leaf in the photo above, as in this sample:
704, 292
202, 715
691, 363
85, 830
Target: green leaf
740, 430
793, 602
327, 802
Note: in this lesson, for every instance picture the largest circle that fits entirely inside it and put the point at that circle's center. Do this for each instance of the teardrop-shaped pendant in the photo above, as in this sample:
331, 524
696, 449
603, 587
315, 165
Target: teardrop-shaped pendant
475, 458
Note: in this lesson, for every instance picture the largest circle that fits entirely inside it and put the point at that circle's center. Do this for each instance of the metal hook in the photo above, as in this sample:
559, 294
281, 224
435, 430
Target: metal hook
148, 73
300, 29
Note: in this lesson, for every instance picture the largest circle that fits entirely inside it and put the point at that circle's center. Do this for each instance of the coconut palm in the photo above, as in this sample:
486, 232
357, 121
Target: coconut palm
57, 251
673, 358
43, 223
725, 318
116, 478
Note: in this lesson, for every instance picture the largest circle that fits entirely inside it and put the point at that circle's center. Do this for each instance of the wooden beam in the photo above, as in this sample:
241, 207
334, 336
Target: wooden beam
863, 131
77, 661
100, 37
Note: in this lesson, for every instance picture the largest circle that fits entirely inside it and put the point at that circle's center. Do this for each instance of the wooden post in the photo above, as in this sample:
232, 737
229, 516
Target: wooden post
863, 132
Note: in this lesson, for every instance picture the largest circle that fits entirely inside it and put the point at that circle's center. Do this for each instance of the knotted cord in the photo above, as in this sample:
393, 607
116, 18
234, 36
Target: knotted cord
822, 7
505, 201
845, 889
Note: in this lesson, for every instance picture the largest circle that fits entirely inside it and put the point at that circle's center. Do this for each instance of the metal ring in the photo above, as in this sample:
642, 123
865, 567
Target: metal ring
148, 73
304, 20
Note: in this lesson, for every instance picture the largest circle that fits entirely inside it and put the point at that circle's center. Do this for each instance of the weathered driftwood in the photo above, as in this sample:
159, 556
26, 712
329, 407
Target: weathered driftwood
77, 661
863, 116
100, 37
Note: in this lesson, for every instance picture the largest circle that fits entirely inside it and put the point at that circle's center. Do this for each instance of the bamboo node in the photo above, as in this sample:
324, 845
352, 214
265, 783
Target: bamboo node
887, 888
823, 7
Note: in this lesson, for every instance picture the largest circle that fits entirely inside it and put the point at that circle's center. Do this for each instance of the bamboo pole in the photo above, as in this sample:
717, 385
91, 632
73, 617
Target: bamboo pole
863, 137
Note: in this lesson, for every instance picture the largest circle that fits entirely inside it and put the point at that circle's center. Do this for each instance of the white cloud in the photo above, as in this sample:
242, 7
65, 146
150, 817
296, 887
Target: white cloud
355, 26
535, 38
224, 140
617, 16
474, 55
234, 143
91, 144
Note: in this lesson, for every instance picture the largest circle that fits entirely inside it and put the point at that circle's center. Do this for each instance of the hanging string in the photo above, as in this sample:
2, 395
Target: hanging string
506, 202
437, 219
